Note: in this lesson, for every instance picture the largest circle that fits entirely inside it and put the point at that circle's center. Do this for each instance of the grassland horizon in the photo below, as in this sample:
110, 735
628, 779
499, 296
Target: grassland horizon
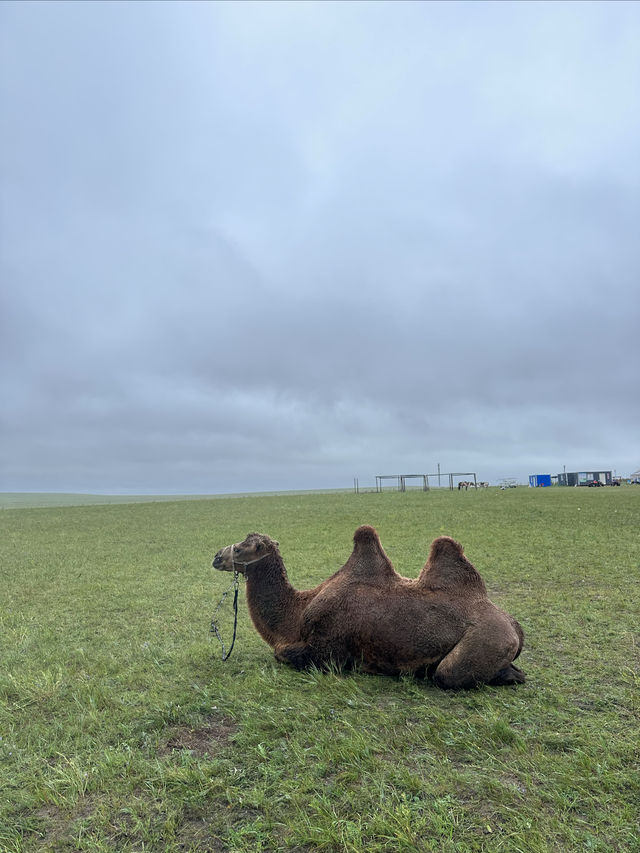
42, 499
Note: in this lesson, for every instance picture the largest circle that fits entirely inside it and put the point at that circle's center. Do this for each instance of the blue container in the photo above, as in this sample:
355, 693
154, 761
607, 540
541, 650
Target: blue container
536, 480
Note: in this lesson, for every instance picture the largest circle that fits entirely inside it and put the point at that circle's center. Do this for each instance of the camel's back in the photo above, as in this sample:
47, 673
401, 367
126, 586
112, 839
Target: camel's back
369, 623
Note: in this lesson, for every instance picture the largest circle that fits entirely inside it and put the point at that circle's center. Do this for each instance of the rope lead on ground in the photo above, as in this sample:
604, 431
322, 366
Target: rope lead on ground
214, 628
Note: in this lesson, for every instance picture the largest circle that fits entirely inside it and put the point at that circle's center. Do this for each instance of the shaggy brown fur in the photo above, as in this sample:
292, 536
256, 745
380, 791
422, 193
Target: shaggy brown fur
441, 624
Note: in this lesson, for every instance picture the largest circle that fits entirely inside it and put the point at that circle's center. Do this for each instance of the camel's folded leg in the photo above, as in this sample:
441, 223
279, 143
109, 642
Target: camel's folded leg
297, 655
303, 655
483, 655
509, 675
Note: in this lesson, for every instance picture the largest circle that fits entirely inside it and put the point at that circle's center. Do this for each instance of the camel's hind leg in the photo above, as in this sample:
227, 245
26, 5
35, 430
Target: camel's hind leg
483, 655
508, 675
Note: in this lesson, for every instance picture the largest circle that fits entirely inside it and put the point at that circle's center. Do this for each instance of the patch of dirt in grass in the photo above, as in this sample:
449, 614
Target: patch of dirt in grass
57, 822
54, 825
199, 828
206, 739
195, 834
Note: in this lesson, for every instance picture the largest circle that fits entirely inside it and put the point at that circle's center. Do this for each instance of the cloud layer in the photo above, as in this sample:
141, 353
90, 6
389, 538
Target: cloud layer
279, 245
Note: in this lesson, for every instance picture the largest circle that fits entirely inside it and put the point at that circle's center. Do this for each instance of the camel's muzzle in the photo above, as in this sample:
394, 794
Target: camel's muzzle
218, 561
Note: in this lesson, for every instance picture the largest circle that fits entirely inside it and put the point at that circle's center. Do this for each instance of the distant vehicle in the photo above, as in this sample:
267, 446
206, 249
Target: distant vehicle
594, 483
508, 483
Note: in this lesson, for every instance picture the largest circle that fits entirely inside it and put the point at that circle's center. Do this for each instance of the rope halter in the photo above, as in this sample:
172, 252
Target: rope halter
244, 565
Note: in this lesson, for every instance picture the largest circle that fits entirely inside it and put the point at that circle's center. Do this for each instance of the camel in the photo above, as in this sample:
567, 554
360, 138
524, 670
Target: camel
441, 624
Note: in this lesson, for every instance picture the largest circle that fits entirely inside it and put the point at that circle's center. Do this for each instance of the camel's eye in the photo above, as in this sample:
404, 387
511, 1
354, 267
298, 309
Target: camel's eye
259, 546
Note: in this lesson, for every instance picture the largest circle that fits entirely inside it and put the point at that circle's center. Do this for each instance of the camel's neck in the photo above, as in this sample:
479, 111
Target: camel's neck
274, 605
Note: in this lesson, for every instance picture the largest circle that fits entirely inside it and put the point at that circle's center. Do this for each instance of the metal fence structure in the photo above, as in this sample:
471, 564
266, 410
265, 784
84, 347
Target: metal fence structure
401, 480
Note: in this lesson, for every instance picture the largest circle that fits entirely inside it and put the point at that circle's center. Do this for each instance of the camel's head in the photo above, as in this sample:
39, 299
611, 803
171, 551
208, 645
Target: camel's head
243, 554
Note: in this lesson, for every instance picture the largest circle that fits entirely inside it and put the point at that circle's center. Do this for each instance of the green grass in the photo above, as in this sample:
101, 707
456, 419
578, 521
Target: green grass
121, 729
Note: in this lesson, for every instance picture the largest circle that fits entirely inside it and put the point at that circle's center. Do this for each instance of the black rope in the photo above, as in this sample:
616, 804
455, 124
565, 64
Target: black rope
214, 628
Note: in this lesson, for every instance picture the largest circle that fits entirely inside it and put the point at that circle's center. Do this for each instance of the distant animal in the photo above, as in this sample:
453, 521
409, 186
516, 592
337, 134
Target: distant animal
441, 624
483, 484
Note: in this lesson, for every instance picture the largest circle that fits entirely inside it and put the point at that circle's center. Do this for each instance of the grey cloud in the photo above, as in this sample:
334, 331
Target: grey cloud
277, 246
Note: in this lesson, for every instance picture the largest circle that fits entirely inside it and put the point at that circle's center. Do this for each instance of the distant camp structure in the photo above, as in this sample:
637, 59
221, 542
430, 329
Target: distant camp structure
585, 478
573, 478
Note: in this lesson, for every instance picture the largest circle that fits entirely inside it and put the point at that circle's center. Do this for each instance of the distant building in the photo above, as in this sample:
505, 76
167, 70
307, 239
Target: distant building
585, 478
536, 480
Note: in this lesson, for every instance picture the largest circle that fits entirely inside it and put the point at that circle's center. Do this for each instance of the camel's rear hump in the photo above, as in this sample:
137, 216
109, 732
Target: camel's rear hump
445, 546
448, 568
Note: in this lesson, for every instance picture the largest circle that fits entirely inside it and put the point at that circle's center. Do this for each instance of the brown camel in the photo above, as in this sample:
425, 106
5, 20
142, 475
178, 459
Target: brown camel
441, 624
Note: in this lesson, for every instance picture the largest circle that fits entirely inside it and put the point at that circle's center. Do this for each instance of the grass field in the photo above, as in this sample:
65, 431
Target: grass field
121, 728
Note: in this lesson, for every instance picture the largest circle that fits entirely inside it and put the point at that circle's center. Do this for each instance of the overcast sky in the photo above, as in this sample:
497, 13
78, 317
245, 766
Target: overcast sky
256, 246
